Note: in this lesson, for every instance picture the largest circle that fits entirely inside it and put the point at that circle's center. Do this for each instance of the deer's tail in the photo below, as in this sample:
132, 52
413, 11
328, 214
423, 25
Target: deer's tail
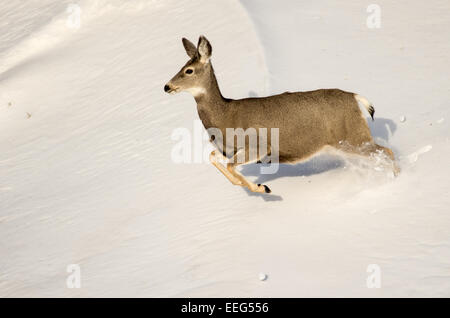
366, 104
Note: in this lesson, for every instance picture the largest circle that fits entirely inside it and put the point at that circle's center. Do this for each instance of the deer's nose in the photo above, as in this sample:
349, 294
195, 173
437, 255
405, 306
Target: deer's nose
166, 88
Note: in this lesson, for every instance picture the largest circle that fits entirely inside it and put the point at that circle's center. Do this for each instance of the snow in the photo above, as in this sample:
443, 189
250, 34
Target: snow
262, 277
86, 169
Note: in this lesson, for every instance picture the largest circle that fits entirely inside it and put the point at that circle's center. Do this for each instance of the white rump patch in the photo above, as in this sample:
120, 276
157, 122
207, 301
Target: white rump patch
362, 101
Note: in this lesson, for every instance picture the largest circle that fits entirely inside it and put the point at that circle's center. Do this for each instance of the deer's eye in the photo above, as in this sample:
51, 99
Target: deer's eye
189, 71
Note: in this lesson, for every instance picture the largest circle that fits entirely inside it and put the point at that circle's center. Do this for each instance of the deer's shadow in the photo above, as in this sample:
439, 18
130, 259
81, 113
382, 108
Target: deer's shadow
382, 130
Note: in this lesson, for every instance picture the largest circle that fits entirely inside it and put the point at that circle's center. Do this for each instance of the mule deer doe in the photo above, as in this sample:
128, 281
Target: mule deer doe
308, 122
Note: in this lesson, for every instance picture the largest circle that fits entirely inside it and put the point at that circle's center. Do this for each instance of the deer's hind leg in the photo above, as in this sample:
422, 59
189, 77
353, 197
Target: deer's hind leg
388, 152
370, 149
234, 176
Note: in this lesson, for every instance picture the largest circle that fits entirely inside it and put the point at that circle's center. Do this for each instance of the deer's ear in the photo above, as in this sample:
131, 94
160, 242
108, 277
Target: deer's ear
190, 48
204, 49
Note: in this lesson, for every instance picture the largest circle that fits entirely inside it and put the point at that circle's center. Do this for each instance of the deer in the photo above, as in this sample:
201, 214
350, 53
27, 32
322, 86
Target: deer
308, 122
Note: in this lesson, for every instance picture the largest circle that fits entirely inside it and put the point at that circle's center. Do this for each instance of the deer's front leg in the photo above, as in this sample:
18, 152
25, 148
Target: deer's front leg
231, 167
213, 159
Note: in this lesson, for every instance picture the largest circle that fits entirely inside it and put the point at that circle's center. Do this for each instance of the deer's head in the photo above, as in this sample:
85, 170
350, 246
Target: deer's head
195, 76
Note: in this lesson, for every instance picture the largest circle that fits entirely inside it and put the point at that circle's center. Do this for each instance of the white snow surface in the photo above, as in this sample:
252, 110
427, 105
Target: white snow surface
87, 177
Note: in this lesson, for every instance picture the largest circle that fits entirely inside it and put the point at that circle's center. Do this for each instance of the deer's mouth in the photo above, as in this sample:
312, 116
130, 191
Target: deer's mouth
174, 90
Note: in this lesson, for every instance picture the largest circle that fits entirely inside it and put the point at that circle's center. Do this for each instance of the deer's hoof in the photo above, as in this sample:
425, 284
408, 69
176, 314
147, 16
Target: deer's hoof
266, 188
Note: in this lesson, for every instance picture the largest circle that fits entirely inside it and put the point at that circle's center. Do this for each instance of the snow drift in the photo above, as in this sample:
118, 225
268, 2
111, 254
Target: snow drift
87, 178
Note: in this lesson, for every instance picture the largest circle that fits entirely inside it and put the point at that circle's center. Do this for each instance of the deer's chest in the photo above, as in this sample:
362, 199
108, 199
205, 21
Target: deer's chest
206, 118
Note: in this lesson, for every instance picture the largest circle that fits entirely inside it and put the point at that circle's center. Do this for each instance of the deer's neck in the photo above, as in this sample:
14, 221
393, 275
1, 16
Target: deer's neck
211, 105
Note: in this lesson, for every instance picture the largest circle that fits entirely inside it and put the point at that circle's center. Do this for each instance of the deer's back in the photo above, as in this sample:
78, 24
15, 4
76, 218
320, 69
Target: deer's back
307, 121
